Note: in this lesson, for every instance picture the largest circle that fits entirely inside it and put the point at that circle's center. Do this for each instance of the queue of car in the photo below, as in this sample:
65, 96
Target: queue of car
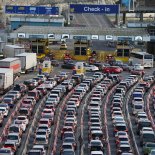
68, 131
95, 126
142, 121
120, 126
25, 111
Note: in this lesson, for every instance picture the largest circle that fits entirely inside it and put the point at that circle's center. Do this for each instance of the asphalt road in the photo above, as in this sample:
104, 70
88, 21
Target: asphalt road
57, 70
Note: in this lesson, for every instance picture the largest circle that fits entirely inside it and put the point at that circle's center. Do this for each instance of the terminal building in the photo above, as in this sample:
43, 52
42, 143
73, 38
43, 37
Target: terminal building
27, 20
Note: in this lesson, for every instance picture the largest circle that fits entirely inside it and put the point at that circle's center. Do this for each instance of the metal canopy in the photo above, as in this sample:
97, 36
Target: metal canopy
82, 31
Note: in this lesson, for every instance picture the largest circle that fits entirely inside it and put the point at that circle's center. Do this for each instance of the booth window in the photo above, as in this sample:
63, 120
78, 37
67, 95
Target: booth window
126, 52
77, 50
120, 52
83, 50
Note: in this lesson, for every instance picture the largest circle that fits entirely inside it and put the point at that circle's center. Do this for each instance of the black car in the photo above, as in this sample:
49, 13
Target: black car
22, 88
29, 84
68, 66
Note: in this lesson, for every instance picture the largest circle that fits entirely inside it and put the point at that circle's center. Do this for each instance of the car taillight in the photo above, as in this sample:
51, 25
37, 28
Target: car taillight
115, 130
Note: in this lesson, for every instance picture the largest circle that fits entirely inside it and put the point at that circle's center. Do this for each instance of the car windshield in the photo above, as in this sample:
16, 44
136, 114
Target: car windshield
138, 106
23, 111
70, 140
31, 93
124, 149
121, 128
8, 145
43, 127
138, 99
41, 133
40, 139
13, 129
67, 146
149, 137
150, 145
68, 152
34, 153
12, 137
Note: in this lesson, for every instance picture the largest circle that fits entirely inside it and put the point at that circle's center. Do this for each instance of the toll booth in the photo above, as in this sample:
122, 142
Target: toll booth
82, 49
39, 46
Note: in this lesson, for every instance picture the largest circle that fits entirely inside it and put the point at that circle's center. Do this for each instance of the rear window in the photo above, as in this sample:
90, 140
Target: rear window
40, 139
138, 106
121, 128
34, 153
32, 94
125, 149
22, 111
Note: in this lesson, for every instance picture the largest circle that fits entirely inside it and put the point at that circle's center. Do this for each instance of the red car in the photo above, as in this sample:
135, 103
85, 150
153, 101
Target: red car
137, 72
112, 69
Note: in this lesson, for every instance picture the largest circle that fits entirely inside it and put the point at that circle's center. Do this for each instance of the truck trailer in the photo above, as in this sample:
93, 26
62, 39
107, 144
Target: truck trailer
6, 79
12, 63
28, 61
12, 50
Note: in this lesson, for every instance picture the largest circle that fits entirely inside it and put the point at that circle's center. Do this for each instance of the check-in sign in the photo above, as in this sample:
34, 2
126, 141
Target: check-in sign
85, 8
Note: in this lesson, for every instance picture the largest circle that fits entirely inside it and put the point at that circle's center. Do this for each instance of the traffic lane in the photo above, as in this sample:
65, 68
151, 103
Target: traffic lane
25, 134
134, 127
5, 121
77, 132
85, 131
111, 131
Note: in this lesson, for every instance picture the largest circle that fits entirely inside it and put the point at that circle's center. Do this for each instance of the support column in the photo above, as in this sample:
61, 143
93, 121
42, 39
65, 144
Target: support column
141, 17
124, 18
116, 19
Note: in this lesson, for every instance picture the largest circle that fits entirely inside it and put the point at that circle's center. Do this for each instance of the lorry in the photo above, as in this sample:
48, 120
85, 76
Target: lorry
28, 61
2, 44
12, 63
6, 79
12, 50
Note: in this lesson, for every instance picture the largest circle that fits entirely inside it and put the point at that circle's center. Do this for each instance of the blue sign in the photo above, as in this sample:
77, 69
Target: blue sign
36, 36
80, 37
124, 38
85, 8
40, 10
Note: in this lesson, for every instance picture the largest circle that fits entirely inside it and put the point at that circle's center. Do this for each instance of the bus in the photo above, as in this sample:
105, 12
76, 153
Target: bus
143, 58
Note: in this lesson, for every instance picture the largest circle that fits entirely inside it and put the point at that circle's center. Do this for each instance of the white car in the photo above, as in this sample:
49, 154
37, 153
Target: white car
4, 110
21, 124
42, 77
16, 93
14, 137
24, 119
91, 68
48, 85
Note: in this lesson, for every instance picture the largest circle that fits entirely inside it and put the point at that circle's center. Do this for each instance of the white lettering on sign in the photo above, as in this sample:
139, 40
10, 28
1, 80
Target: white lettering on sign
107, 9
87, 9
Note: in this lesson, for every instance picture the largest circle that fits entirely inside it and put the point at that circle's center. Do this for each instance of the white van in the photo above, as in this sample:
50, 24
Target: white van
137, 107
